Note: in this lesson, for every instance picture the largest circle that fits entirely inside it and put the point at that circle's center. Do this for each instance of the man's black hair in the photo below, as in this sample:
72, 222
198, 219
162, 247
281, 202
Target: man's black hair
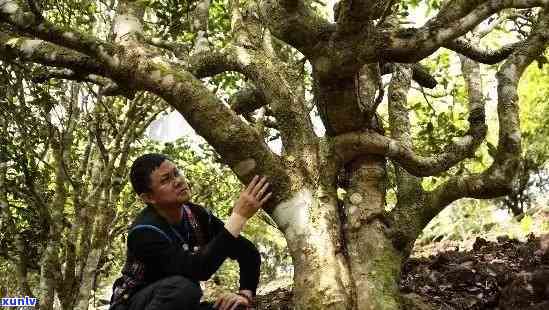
142, 168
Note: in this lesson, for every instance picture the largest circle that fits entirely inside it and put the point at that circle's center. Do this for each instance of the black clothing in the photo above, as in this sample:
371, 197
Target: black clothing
157, 250
171, 293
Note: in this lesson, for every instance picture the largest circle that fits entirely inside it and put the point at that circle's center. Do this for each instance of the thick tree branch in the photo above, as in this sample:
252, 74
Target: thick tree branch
399, 120
215, 62
200, 26
369, 83
68, 74
497, 180
41, 52
247, 100
350, 145
485, 56
352, 15
409, 190
275, 84
278, 83
453, 21
293, 22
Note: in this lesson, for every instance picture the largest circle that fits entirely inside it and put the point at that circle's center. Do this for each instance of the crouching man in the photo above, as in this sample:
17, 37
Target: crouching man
174, 244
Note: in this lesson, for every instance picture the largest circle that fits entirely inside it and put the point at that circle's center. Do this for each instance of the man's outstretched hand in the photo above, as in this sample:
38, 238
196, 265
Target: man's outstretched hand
232, 301
251, 199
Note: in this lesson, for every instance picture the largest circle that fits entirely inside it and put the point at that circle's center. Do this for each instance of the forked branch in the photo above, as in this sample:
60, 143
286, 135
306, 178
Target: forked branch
485, 56
498, 179
293, 22
453, 21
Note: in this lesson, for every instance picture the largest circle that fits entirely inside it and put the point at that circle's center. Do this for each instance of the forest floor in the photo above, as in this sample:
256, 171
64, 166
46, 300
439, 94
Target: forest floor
505, 274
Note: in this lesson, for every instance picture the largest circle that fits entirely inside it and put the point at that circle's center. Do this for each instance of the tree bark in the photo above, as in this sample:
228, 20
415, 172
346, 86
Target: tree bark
375, 263
310, 222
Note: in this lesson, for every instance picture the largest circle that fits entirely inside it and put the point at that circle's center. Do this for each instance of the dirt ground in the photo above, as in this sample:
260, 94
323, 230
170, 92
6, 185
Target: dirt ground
502, 275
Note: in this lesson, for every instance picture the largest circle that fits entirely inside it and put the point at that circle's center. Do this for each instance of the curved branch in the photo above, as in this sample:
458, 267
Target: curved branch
409, 190
453, 21
485, 56
350, 145
352, 15
274, 82
211, 63
247, 100
67, 74
41, 52
399, 120
498, 179
294, 23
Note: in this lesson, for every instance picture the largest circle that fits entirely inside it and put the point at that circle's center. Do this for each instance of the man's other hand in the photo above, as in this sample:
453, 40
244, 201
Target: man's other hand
231, 301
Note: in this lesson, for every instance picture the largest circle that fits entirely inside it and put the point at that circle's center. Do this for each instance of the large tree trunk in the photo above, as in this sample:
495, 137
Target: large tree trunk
375, 263
339, 264
310, 222
342, 251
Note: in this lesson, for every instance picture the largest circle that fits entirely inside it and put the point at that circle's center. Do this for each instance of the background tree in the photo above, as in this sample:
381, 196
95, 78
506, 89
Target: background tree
347, 251
64, 163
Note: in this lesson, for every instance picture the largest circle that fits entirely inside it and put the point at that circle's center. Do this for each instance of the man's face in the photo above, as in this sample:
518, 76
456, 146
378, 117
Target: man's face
168, 187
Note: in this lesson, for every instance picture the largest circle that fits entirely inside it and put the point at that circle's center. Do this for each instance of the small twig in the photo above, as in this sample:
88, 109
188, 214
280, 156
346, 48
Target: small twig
432, 95
428, 102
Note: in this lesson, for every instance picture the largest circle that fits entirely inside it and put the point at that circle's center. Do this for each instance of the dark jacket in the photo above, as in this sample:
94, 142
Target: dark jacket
156, 250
